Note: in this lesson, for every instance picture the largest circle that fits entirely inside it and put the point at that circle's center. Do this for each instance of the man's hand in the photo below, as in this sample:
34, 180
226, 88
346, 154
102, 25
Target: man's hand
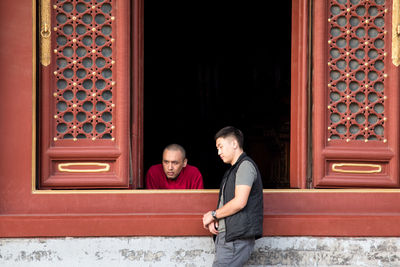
212, 229
207, 219
210, 223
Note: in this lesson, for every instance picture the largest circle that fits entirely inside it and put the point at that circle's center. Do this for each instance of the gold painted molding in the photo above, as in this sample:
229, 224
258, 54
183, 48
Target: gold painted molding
376, 167
396, 33
45, 32
209, 191
63, 167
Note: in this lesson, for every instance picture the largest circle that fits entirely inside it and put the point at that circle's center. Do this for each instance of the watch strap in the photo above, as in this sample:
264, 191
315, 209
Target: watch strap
214, 214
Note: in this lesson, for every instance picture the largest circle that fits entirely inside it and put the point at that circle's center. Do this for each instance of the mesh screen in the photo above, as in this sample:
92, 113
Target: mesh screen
83, 86
356, 70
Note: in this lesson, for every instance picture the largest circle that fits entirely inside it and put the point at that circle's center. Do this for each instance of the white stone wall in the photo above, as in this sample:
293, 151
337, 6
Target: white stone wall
196, 251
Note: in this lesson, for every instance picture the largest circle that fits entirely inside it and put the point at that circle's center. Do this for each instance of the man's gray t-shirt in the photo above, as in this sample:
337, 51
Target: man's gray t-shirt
245, 175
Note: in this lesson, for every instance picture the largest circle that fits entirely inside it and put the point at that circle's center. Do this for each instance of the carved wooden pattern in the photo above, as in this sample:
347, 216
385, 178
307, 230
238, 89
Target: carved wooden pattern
84, 85
356, 70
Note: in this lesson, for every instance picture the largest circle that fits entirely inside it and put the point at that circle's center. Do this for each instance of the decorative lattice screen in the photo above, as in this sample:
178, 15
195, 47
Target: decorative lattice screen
356, 70
84, 85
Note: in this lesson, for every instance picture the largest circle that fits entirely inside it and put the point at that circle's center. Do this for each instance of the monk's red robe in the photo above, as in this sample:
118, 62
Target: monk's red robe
189, 178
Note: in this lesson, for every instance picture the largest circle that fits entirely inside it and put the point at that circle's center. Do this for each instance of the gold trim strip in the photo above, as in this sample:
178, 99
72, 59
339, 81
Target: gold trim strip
396, 33
63, 167
378, 168
208, 191
45, 32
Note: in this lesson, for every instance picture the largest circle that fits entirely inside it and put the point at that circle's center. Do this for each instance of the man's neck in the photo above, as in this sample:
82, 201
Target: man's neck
237, 156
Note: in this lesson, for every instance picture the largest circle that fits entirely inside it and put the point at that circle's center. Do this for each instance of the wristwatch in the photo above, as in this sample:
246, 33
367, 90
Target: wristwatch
214, 214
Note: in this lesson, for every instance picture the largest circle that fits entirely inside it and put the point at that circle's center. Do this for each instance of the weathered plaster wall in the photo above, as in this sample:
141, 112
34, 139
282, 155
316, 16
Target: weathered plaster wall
197, 251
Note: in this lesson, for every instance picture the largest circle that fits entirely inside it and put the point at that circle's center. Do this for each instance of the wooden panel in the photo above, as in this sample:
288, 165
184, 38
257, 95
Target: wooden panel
171, 225
299, 95
355, 93
85, 93
286, 213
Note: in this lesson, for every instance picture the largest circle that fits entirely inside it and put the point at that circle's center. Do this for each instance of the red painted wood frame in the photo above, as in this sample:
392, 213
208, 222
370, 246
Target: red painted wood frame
25, 212
299, 127
90, 85
350, 162
137, 94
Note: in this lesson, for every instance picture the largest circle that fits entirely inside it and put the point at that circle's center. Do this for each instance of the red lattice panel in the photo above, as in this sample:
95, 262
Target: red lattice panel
356, 70
83, 56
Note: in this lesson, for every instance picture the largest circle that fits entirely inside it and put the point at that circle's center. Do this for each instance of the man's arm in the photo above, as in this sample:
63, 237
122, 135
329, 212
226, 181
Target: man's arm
242, 193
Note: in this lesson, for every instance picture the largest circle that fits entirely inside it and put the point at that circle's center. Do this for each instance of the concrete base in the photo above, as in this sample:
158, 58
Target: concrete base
196, 251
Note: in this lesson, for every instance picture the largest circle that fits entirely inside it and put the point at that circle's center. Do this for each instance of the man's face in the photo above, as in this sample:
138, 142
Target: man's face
226, 149
173, 162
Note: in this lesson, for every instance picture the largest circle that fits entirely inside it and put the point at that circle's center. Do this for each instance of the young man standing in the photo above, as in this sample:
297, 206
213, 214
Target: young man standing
238, 219
174, 172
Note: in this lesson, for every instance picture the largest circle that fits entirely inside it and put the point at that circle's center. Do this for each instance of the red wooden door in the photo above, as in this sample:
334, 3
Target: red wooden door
355, 95
84, 93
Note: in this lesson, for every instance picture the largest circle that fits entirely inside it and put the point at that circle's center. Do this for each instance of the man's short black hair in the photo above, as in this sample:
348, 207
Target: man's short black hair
230, 131
176, 147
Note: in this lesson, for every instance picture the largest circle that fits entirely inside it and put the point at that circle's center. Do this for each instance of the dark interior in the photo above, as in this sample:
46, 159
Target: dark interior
209, 64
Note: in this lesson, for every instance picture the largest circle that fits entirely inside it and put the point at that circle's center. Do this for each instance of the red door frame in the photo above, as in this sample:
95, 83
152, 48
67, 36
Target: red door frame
137, 93
25, 212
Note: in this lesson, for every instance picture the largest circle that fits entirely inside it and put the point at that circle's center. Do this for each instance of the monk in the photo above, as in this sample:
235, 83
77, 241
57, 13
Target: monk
174, 172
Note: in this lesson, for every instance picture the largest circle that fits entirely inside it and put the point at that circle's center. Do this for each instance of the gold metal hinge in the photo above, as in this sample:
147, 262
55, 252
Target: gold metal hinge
45, 32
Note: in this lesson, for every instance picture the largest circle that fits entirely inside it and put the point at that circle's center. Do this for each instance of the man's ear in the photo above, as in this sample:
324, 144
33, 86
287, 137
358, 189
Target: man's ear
184, 162
235, 144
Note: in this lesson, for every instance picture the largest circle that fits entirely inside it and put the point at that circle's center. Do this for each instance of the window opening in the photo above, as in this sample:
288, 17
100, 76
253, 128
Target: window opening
209, 64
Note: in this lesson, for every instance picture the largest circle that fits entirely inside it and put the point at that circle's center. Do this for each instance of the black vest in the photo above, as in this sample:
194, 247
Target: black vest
248, 222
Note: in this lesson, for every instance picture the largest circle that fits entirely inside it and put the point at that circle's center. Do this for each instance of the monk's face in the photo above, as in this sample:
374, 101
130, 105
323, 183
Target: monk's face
173, 162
